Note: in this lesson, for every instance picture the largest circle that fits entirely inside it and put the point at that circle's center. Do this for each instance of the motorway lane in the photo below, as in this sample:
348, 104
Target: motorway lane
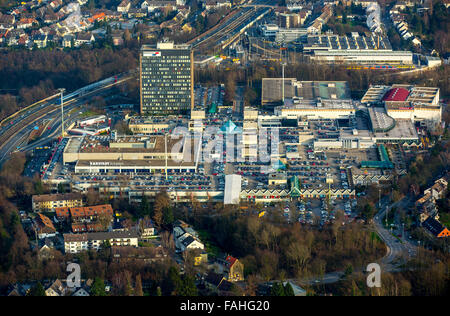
18, 138
14, 141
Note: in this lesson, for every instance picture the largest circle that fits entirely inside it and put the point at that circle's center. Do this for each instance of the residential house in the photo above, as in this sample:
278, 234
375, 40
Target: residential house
68, 40
294, 5
144, 4
188, 242
84, 38
124, 6
436, 228
81, 292
44, 227
416, 41
26, 23
46, 249
55, 4
446, 58
23, 40
19, 290
185, 237
438, 190
157, 4
216, 4
428, 209
7, 19
51, 18
61, 288
57, 288
234, 269
97, 17
231, 268
6, 26
49, 202
137, 13
86, 219
298, 291
364, 3
13, 36
147, 229
117, 38
217, 284
426, 205
75, 243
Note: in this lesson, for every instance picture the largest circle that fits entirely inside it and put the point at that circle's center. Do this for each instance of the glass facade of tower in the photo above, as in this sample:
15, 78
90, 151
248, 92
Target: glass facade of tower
166, 80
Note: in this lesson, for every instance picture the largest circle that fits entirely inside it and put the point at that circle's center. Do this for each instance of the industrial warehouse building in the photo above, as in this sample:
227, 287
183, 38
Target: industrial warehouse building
355, 49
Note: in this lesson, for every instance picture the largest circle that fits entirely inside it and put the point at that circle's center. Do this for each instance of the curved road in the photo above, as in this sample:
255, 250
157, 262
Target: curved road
396, 249
21, 134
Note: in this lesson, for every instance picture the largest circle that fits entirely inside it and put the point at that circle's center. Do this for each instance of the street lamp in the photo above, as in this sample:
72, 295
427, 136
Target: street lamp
282, 82
62, 90
379, 198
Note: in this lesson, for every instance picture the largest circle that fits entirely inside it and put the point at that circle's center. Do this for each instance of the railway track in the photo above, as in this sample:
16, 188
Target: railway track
205, 34
225, 29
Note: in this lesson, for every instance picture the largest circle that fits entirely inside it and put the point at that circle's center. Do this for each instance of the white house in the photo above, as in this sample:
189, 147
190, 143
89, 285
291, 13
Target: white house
186, 237
81, 292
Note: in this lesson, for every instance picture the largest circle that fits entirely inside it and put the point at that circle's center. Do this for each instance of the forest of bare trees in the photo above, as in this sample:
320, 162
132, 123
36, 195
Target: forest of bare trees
40, 73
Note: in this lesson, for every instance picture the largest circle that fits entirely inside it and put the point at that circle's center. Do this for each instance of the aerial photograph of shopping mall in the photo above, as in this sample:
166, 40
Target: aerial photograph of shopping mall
221, 153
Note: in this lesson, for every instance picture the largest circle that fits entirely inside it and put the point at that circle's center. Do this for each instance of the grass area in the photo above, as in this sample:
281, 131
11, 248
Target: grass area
398, 238
146, 244
445, 219
340, 28
375, 236
210, 246
89, 113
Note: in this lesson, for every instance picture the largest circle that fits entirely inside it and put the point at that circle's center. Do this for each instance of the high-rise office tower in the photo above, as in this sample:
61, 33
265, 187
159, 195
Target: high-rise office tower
167, 79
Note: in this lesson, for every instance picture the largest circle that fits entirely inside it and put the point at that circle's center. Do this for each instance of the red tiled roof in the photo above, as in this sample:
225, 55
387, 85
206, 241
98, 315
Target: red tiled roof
77, 228
98, 210
44, 221
231, 260
62, 212
77, 212
396, 94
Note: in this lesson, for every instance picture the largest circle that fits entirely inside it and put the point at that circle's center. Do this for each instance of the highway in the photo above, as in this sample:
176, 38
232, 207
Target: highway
14, 135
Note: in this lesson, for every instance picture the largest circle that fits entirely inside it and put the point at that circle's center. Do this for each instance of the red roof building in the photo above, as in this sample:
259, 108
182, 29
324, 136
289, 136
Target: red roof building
62, 212
396, 95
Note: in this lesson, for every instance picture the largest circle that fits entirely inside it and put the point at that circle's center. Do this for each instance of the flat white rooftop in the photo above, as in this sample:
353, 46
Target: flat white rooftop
232, 189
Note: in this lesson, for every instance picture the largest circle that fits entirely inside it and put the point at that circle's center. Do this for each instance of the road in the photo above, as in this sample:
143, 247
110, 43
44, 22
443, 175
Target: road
14, 135
396, 249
